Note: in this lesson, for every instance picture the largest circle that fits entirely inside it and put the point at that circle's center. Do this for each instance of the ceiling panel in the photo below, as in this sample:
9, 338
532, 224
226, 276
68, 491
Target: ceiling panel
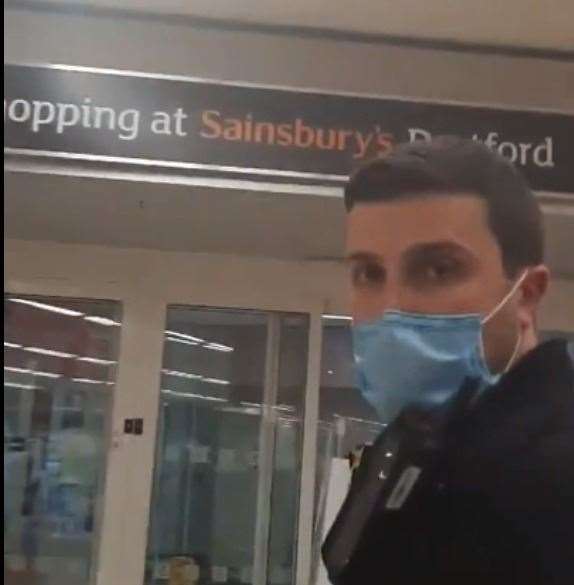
203, 220
545, 24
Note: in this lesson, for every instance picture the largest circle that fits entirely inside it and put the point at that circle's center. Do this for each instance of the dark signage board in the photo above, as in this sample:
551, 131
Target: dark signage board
227, 128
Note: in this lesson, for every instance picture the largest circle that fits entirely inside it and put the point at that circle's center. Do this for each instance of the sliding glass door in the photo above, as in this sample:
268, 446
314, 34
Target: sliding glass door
227, 469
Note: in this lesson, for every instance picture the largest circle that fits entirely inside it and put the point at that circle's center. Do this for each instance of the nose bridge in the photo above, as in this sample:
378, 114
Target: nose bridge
392, 296
369, 304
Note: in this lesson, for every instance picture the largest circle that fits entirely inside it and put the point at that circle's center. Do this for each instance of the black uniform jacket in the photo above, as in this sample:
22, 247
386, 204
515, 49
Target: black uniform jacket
499, 507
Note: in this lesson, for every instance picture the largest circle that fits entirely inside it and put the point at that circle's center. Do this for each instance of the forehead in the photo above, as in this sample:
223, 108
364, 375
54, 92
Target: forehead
388, 228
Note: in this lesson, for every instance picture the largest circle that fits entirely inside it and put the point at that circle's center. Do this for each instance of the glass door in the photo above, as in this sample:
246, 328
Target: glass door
227, 467
346, 423
59, 369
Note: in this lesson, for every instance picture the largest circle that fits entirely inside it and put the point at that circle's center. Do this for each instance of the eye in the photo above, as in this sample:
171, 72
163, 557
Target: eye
368, 274
441, 270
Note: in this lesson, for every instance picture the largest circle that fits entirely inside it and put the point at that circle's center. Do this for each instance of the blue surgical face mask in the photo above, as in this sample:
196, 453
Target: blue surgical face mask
410, 358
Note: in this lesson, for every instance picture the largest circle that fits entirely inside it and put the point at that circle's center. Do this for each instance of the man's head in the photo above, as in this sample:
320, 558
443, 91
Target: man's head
447, 227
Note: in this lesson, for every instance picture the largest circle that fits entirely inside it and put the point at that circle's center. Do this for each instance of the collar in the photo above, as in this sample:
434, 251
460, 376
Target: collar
532, 400
543, 377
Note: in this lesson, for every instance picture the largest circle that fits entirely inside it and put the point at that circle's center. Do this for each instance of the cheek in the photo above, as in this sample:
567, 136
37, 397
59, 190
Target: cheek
477, 295
500, 338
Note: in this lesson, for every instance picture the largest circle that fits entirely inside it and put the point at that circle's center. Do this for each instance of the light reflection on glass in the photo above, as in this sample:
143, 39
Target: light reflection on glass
58, 378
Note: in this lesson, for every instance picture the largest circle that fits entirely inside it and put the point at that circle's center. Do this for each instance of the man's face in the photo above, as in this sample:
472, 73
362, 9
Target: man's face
433, 255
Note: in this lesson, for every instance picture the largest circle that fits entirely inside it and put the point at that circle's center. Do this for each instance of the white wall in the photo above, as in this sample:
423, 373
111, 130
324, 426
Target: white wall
219, 280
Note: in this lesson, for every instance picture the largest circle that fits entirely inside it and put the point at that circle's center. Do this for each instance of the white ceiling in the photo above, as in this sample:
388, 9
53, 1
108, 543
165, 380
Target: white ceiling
202, 220
171, 217
543, 24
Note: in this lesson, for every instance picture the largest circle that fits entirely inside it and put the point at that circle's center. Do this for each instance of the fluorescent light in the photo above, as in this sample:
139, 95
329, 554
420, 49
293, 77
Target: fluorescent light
47, 307
17, 370
50, 352
242, 410
178, 374
280, 407
92, 360
191, 340
194, 396
33, 372
337, 317
20, 386
102, 321
218, 347
46, 374
12, 345
184, 341
89, 381
216, 381
185, 336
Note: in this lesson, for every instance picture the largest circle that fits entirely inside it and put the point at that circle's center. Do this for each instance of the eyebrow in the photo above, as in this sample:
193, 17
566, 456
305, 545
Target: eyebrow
416, 251
361, 256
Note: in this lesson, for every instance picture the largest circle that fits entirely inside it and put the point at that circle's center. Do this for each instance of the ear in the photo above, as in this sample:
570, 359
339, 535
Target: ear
532, 291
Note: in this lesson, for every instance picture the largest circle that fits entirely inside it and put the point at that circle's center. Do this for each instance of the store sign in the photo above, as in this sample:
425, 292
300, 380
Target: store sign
281, 134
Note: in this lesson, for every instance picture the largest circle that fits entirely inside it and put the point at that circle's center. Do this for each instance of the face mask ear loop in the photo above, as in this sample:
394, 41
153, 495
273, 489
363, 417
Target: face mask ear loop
492, 314
506, 298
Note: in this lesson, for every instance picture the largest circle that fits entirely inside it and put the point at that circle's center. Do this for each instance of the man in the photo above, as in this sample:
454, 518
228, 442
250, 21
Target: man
445, 246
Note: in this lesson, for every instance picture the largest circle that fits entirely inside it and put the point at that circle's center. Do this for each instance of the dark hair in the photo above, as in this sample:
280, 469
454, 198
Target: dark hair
457, 166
